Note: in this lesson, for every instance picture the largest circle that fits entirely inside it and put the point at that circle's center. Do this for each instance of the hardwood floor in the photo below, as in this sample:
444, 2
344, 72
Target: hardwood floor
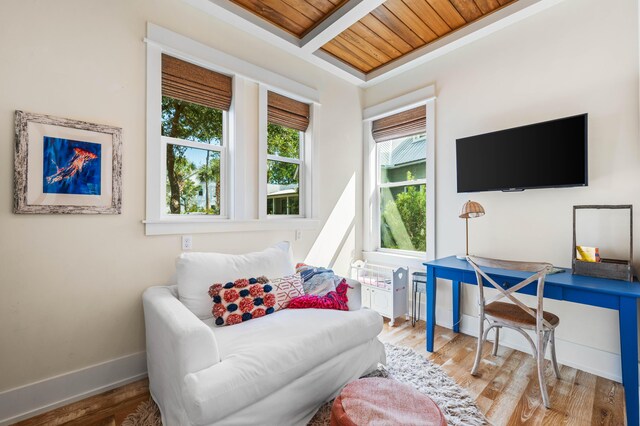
106, 409
506, 389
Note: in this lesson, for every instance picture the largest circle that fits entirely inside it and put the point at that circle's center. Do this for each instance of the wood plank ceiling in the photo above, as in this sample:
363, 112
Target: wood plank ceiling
393, 29
398, 27
297, 17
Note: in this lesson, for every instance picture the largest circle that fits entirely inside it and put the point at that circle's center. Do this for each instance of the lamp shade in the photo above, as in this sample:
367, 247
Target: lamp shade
471, 209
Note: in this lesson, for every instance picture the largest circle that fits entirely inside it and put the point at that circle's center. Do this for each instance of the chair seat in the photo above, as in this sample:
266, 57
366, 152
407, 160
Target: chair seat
514, 314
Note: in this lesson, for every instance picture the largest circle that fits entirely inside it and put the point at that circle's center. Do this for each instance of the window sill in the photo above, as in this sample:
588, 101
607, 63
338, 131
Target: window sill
172, 226
395, 259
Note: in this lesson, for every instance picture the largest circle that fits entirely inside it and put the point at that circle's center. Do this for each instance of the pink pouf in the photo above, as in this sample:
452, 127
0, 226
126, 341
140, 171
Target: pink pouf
378, 401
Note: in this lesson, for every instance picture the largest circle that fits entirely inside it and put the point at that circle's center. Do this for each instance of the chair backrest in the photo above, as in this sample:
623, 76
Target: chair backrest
539, 270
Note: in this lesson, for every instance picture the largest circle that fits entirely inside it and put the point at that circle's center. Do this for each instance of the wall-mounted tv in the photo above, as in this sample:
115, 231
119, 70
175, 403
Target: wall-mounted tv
542, 155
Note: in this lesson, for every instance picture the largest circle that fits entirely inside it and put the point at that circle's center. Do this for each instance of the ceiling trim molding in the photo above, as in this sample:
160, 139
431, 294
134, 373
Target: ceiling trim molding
238, 16
401, 103
346, 15
337, 63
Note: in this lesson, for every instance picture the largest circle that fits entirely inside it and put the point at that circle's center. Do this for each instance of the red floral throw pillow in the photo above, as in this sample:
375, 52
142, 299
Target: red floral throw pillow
242, 300
333, 300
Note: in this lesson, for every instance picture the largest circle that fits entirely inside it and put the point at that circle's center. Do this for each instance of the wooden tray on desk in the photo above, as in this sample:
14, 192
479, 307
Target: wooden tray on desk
616, 269
607, 268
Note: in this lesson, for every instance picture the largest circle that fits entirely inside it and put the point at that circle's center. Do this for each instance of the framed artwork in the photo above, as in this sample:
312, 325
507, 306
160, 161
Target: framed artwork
66, 166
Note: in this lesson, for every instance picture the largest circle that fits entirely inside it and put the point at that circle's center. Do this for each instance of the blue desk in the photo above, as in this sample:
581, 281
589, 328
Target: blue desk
604, 293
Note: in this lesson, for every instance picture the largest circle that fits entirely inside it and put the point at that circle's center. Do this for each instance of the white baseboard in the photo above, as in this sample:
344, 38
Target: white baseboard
39, 397
586, 358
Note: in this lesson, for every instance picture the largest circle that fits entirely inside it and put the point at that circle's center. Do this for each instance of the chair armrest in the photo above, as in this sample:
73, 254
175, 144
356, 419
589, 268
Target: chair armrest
354, 294
177, 340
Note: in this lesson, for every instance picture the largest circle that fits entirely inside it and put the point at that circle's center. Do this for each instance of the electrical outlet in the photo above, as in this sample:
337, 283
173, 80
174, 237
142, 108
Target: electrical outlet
187, 242
298, 234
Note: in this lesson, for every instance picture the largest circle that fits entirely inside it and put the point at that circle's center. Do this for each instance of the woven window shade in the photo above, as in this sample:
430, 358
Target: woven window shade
188, 82
400, 125
287, 112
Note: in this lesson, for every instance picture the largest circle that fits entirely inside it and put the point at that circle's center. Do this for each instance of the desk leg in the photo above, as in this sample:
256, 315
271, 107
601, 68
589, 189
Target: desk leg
431, 306
456, 306
629, 346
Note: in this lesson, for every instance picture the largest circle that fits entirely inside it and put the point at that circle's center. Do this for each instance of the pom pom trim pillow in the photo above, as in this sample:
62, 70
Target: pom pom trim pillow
242, 300
195, 272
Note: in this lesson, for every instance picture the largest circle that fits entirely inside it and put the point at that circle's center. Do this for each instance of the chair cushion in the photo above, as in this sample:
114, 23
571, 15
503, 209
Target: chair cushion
290, 333
196, 272
259, 357
378, 401
513, 313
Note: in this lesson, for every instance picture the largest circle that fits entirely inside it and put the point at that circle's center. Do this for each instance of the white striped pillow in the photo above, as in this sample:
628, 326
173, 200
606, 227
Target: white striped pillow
287, 288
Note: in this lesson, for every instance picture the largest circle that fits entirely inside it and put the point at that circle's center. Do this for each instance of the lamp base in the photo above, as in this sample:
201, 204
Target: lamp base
461, 256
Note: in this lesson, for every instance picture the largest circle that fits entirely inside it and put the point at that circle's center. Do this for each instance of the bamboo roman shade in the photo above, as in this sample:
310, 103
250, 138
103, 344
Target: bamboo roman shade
287, 112
188, 82
400, 125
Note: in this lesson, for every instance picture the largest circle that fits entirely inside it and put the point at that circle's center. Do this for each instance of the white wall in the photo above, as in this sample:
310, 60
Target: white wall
71, 285
578, 56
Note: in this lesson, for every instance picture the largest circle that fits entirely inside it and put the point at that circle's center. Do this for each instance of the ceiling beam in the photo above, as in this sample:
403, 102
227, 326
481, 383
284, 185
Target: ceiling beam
338, 21
246, 21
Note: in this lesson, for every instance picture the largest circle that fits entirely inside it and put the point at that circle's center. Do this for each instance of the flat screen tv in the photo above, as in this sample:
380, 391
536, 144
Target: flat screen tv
542, 155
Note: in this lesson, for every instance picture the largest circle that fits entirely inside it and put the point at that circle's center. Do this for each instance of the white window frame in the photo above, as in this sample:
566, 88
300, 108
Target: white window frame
371, 240
305, 161
238, 215
222, 149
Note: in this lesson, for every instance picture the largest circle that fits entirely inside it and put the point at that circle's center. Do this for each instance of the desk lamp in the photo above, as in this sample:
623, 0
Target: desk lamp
470, 209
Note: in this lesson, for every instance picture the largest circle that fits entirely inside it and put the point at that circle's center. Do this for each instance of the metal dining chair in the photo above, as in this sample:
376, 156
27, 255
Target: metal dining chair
516, 316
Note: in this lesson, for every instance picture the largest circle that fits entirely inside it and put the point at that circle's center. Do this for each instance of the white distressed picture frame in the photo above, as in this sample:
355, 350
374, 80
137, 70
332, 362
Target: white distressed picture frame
26, 174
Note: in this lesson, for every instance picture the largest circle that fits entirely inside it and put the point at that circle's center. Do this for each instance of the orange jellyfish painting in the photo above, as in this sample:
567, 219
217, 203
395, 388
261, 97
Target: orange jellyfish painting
71, 167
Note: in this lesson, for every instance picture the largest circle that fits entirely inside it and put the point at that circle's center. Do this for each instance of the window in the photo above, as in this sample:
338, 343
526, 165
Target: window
401, 176
283, 170
202, 129
195, 102
401, 180
287, 121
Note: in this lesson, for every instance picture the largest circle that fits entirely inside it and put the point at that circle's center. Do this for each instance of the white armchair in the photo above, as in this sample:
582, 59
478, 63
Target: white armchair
274, 370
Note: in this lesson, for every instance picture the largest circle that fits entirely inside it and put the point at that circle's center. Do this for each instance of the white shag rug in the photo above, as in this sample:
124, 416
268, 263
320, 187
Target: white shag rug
408, 366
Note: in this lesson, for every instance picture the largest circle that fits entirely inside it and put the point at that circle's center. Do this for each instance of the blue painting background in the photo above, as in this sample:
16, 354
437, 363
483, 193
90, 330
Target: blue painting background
58, 153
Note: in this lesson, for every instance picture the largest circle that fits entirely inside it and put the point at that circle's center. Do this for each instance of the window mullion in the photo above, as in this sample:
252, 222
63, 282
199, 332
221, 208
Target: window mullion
403, 183
192, 144
283, 159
